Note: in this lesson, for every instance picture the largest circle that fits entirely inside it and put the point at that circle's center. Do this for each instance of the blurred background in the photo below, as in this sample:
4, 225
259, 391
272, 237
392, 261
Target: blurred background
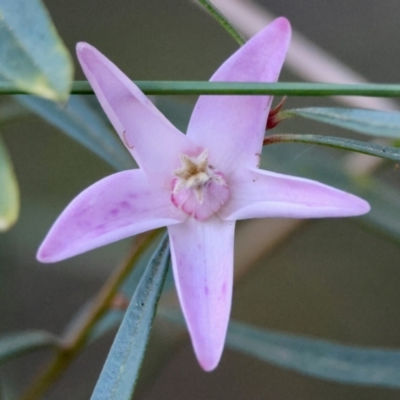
331, 279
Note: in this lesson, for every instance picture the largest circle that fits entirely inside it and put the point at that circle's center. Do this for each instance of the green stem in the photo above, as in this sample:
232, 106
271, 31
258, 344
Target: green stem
220, 88
100, 305
222, 20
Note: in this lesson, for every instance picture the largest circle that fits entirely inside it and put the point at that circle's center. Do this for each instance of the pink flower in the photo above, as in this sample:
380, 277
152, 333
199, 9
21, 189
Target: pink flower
197, 184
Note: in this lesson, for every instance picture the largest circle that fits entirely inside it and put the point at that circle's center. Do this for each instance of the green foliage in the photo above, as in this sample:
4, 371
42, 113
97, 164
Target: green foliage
32, 55
372, 149
315, 357
368, 122
120, 371
79, 120
14, 345
9, 193
319, 358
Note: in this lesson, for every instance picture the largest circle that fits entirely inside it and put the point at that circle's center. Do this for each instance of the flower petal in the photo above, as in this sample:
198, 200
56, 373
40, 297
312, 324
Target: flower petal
121, 205
153, 141
202, 259
258, 194
233, 127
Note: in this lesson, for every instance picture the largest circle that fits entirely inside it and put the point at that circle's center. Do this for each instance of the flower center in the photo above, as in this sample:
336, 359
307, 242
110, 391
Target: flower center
198, 189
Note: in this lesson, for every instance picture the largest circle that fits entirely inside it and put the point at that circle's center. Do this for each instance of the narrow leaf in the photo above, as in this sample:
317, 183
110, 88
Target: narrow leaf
316, 357
369, 122
81, 122
120, 371
32, 55
9, 193
17, 344
319, 358
372, 149
223, 21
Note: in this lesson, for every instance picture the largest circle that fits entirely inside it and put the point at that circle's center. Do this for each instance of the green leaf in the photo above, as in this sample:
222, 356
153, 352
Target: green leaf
120, 371
222, 20
81, 122
9, 193
113, 318
32, 55
316, 357
369, 122
319, 358
17, 344
372, 149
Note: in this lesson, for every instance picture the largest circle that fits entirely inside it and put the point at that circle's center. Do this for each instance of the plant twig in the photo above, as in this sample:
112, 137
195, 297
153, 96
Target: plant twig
223, 21
242, 88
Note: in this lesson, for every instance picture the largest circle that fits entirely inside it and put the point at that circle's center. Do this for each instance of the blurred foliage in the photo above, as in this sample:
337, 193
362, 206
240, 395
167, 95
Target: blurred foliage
319, 358
32, 55
371, 149
85, 124
9, 192
311, 356
368, 122
17, 344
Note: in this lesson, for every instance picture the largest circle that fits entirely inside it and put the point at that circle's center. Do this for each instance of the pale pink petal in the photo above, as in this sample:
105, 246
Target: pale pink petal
233, 127
153, 141
121, 205
202, 259
259, 194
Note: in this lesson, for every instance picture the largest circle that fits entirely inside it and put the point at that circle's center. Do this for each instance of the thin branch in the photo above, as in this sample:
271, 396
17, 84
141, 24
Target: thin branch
241, 88
223, 21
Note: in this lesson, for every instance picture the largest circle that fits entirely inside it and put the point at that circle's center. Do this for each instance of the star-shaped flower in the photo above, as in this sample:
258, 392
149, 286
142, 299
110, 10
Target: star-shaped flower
196, 184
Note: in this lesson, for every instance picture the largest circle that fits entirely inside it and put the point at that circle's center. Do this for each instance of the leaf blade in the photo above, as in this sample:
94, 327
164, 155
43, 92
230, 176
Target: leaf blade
319, 358
32, 55
369, 122
120, 371
14, 345
79, 121
9, 192
369, 148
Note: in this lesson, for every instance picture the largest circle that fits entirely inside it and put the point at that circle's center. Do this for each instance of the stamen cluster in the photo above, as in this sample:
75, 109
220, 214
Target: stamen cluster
198, 189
